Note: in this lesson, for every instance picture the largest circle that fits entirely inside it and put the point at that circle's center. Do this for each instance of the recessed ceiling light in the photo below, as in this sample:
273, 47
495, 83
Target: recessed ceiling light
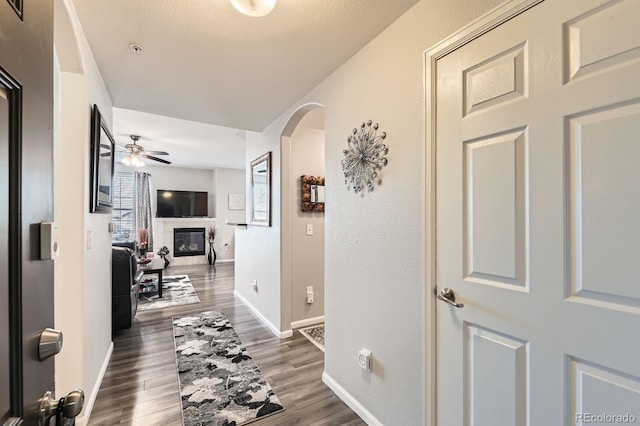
135, 48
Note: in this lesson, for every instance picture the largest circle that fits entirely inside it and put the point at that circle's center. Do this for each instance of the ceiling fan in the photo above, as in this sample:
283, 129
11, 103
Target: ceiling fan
136, 151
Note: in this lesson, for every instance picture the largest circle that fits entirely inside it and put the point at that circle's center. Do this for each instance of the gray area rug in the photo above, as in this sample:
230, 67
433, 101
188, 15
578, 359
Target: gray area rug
315, 334
176, 290
220, 384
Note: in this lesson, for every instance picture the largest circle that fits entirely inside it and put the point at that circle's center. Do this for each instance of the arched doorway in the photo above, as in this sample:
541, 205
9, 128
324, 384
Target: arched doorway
302, 232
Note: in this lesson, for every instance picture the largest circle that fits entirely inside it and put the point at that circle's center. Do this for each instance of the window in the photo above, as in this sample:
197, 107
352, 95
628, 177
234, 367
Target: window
122, 214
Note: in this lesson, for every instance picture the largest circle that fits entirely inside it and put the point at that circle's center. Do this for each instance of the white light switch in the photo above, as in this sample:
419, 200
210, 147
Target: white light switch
309, 229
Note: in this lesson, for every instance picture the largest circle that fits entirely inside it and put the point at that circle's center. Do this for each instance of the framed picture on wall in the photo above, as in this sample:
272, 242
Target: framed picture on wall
102, 162
236, 201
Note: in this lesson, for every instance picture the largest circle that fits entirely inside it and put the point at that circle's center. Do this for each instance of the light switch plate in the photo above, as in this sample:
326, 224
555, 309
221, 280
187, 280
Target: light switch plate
309, 229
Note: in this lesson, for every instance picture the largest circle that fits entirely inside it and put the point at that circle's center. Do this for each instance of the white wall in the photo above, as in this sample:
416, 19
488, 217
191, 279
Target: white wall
374, 256
83, 271
227, 181
307, 252
258, 247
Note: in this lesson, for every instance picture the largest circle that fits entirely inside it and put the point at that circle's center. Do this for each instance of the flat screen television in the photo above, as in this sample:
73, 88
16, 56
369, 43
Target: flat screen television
182, 203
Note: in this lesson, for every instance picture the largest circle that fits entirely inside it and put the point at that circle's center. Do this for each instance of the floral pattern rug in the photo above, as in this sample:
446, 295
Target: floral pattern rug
176, 290
315, 334
220, 384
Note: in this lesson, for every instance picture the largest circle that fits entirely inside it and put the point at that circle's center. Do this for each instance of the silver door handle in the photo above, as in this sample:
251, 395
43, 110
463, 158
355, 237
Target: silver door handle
64, 410
447, 295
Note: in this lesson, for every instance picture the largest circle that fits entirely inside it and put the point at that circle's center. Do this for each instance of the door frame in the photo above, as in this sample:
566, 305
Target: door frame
485, 23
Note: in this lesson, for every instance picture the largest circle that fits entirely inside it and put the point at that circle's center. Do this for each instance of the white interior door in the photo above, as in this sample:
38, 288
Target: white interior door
537, 151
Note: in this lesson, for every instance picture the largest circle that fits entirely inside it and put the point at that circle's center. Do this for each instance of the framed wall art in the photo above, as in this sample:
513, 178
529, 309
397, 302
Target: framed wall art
102, 162
312, 193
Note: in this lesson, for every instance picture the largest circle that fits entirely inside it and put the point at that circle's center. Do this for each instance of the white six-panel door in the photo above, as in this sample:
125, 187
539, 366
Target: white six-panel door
537, 152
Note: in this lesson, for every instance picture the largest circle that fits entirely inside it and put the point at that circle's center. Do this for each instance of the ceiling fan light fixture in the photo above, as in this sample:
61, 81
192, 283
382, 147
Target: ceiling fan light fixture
254, 8
126, 161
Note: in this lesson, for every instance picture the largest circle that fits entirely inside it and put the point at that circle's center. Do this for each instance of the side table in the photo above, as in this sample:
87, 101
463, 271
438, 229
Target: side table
154, 267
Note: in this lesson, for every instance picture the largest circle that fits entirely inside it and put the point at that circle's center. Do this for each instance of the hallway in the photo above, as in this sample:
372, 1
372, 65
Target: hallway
140, 386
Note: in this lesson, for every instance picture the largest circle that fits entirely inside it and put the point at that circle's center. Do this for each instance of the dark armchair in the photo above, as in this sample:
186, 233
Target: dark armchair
125, 286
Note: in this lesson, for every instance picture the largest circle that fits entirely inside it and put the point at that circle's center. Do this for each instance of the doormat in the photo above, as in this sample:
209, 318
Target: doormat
315, 334
220, 384
176, 290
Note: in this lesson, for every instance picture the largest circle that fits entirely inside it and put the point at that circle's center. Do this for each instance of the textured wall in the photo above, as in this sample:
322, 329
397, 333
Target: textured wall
375, 248
258, 247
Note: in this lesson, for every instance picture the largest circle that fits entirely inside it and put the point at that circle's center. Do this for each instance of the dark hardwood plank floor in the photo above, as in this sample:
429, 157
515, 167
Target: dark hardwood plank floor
140, 386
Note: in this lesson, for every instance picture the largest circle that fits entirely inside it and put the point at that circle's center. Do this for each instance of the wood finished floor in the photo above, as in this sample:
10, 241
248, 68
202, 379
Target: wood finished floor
141, 387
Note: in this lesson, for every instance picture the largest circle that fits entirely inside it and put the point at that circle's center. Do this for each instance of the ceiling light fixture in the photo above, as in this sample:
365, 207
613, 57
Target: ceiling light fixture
254, 7
133, 160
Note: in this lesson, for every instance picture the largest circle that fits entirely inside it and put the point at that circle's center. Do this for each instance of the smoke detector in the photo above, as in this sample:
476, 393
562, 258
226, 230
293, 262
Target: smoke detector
135, 48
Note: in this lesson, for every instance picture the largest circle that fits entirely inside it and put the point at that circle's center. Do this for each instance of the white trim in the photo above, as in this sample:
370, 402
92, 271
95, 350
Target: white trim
279, 334
348, 399
225, 260
306, 322
475, 29
83, 419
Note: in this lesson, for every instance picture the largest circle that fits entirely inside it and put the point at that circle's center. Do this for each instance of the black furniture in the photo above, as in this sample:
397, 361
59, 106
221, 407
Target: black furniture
128, 244
125, 285
154, 267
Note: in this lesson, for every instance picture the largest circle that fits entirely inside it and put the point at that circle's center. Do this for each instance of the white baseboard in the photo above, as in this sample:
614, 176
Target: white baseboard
225, 260
307, 322
83, 419
348, 399
279, 334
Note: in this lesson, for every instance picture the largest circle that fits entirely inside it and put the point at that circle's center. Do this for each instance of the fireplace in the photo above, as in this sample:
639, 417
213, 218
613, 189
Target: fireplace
188, 242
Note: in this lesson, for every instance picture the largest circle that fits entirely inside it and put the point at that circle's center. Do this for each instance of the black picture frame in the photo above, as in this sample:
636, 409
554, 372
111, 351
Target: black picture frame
260, 195
102, 163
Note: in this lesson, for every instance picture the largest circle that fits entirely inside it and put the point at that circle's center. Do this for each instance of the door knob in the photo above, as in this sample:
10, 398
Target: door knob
73, 404
65, 409
447, 295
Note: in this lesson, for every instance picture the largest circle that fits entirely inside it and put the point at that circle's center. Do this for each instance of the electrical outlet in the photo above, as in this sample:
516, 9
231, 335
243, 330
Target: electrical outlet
310, 294
254, 285
364, 359
226, 246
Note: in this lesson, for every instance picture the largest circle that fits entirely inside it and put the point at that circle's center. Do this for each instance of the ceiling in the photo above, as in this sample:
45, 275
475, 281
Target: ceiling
204, 62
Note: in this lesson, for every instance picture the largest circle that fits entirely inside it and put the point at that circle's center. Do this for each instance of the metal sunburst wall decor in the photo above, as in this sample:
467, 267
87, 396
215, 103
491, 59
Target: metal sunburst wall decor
364, 157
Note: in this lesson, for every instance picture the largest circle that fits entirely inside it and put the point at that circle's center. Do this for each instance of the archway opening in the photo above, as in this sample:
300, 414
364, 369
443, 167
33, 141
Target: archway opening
302, 226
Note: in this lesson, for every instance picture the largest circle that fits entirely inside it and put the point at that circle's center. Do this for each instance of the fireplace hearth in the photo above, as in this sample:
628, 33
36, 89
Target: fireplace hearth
188, 242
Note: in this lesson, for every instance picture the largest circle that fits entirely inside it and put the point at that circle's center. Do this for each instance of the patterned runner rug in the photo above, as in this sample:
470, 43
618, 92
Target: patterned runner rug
176, 290
220, 384
315, 334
